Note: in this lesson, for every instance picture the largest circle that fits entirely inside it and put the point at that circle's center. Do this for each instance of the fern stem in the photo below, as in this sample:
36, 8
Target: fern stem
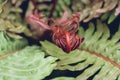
53, 8
103, 57
8, 54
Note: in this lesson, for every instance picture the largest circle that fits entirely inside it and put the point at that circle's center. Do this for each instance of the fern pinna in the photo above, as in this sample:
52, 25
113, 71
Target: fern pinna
18, 61
97, 58
98, 55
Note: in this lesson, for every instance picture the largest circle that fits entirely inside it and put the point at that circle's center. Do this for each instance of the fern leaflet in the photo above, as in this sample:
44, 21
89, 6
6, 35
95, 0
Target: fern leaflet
26, 64
8, 45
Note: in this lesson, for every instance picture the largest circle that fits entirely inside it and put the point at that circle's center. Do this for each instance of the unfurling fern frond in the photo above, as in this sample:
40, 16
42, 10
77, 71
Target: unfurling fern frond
26, 64
98, 57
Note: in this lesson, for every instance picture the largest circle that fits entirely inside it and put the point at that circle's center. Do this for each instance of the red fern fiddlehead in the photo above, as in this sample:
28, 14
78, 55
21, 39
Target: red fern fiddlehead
63, 29
64, 33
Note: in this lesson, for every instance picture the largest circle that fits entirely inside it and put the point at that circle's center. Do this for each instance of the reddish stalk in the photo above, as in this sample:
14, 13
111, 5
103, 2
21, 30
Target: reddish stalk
103, 57
8, 54
53, 8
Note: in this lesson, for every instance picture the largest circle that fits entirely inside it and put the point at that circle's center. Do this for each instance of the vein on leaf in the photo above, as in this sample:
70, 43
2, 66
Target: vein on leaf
103, 57
7, 54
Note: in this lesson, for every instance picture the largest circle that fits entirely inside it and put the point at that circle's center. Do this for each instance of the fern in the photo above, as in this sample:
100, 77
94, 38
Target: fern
22, 63
8, 45
13, 29
11, 21
98, 56
89, 9
26, 64
110, 16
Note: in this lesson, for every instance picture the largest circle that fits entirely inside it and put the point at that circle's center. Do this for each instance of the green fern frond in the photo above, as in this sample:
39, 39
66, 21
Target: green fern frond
98, 55
10, 11
11, 21
61, 7
110, 16
109, 9
90, 9
12, 29
2, 3
9, 45
26, 64
99, 41
43, 5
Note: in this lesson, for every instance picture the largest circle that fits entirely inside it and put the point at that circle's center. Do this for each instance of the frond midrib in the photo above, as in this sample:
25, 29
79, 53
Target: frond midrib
9, 53
103, 57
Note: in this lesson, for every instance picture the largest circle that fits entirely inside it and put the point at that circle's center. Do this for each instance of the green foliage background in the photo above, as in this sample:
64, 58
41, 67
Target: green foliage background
98, 57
